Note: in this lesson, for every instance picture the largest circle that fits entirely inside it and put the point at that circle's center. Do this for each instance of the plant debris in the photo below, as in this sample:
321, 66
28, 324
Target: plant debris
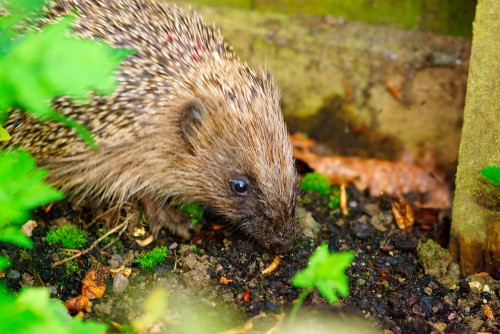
377, 175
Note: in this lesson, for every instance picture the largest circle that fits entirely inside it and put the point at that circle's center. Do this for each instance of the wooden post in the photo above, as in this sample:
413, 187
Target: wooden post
475, 231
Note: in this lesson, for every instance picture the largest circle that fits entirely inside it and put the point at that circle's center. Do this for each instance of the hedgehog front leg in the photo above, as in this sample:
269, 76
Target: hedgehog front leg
159, 216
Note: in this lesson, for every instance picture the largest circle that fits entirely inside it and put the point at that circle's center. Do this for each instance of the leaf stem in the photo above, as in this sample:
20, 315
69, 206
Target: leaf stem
297, 304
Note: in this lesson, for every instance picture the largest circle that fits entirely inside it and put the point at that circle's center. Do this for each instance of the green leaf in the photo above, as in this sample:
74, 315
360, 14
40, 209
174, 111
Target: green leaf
33, 311
4, 135
4, 262
22, 188
23, 7
195, 210
326, 272
316, 182
492, 173
41, 65
14, 235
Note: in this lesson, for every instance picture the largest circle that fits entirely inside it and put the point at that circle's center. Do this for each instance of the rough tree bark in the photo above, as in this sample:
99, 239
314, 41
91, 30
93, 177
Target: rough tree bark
475, 231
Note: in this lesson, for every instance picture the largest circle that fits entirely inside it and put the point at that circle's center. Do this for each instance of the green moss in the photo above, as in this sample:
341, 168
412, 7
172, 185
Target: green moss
68, 236
150, 259
71, 266
316, 182
334, 200
118, 246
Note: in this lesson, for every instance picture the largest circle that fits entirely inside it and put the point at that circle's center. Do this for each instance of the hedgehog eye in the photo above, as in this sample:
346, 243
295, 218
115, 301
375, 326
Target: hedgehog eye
239, 186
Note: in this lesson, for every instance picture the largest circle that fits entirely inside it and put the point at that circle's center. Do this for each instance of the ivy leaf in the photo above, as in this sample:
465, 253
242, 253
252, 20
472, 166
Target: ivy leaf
326, 272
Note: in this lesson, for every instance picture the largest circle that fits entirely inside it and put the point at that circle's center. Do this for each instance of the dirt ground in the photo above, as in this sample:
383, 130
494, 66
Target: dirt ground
389, 289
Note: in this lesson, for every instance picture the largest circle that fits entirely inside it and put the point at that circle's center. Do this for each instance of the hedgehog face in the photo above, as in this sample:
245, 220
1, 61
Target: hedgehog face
242, 159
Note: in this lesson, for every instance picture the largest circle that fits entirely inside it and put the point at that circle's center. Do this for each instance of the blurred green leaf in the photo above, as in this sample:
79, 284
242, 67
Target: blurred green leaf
22, 188
4, 135
33, 311
14, 235
326, 272
41, 65
4, 262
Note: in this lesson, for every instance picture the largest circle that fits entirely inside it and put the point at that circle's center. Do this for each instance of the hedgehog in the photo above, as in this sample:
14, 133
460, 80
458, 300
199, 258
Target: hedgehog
188, 122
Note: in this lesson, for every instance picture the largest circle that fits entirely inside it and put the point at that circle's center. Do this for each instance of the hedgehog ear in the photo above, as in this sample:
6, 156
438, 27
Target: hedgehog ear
191, 120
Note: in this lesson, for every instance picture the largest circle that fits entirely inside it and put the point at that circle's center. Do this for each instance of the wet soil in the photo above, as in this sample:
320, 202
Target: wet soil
389, 287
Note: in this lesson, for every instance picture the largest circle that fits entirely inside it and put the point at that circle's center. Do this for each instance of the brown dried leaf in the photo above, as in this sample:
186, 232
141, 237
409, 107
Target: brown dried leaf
379, 176
488, 312
93, 283
225, 281
403, 214
343, 200
246, 295
78, 304
28, 227
482, 274
145, 242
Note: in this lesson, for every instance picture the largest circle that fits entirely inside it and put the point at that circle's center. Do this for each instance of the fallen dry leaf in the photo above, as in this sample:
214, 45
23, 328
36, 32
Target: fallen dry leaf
343, 200
403, 214
488, 312
145, 242
225, 281
377, 175
482, 274
78, 304
28, 227
394, 91
246, 295
272, 267
94, 283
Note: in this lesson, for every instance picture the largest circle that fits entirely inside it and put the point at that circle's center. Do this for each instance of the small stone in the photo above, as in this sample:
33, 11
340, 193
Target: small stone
13, 274
310, 227
27, 280
115, 261
452, 316
428, 291
120, 283
371, 209
362, 231
464, 287
476, 324
485, 295
28, 227
52, 290
173, 245
475, 285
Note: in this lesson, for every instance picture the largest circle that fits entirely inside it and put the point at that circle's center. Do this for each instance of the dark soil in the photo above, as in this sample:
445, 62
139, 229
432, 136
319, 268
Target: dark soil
388, 285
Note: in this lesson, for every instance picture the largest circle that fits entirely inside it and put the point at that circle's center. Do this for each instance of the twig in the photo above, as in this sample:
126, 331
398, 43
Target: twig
113, 230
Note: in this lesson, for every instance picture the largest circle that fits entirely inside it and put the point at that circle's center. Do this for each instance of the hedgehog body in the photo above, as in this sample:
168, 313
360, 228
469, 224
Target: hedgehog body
188, 122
